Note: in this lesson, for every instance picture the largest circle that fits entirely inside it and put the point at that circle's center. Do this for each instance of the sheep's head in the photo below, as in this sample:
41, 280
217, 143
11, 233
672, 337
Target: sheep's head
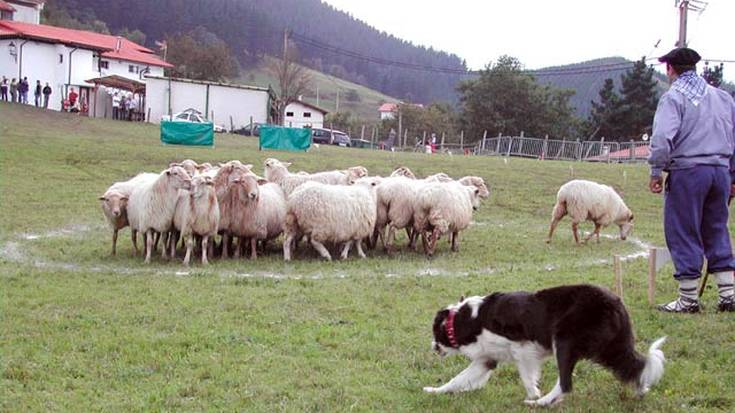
247, 188
369, 182
358, 171
178, 177
191, 167
201, 185
115, 202
475, 197
626, 225
440, 177
204, 167
275, 167
403, 171
478, 183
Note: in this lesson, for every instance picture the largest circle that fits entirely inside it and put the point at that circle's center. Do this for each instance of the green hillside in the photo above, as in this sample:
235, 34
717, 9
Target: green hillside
363, 102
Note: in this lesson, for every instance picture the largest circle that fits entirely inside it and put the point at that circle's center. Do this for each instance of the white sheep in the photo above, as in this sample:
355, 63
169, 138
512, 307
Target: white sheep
444, 207
201, 215
403, 171
331, 213
190, 166
114, 206
151, 206
586, 200
225, 175
395, 209
277, 172
259, 211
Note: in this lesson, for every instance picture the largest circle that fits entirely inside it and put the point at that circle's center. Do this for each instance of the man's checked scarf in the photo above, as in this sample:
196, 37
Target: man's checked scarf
693, 87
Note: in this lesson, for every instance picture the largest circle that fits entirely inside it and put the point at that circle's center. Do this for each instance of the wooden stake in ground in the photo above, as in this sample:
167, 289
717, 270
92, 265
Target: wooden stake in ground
651, 275
618, 277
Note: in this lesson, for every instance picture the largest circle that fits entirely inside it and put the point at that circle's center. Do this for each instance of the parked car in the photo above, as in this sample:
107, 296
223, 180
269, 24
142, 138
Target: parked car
246, 130
193, 115
361, 143
330, 137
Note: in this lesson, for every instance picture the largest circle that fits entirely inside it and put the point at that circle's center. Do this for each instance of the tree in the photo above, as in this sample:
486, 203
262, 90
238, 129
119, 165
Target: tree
639, 100
604, 119
200, 55
293, 80
505, 99
713, 76
135, 36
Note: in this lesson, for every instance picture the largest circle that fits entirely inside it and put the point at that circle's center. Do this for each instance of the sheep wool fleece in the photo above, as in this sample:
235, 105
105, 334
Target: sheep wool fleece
695, 220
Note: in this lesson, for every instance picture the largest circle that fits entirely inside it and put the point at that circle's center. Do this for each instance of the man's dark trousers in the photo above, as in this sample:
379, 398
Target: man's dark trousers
695, 220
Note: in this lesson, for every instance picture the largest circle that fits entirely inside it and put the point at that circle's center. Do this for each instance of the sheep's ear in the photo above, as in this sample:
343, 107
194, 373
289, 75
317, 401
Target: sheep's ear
286, 164
221, 165
249, 166
101, 198
124, 198
262, 181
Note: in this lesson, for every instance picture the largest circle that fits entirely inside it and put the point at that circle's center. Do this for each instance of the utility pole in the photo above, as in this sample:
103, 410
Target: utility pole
337, 110
684, 7
285, 44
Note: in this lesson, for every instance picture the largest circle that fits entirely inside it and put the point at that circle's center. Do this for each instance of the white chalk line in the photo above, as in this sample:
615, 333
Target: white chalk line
12, 251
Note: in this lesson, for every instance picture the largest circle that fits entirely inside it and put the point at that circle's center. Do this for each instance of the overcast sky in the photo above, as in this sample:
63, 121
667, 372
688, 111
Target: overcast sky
545, 33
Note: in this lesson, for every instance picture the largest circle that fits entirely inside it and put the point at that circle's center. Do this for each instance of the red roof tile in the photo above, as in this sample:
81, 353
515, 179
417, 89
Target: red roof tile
388, 107
105, 43
6, 7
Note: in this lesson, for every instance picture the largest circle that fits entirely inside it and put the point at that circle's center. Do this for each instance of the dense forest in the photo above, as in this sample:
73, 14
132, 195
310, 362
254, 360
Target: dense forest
253, 28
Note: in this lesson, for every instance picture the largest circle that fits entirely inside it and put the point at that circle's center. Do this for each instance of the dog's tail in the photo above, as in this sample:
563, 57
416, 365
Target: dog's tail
654, 369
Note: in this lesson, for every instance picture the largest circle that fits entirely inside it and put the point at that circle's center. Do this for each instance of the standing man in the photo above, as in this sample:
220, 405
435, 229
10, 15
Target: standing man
116, 106
13, 90
693, 141
37, 93
4, 89
23, 88
46, 94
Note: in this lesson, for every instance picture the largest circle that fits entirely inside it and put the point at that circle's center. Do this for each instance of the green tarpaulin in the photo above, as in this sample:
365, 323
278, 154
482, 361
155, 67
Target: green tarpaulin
288, 139
187, 133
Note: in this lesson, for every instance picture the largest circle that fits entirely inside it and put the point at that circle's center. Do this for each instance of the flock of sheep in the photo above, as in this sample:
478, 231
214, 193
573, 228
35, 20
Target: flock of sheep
199, 202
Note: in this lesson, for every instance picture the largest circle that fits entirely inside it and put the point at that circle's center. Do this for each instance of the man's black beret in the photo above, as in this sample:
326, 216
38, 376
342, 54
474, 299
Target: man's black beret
681, 56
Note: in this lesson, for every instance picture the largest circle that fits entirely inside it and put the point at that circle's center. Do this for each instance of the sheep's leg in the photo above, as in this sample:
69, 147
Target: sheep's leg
225, 242
432, 243
360, 252
205, 241
155, 243
253, 248
236, 246
148, 246
189, 247
287, 244
164, 247
346, 250
389, 241
556, 216
596, 233
424, 242
134, 237
210, 244
173, 242
114, 241
455, 241
575, 231
413, 238
321, 249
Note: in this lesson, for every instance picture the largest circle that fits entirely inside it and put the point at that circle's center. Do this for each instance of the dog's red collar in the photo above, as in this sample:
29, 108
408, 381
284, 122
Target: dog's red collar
449, 326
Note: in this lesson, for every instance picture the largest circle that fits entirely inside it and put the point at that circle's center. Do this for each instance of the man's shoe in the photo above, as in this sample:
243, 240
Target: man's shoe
726, 304
680, 305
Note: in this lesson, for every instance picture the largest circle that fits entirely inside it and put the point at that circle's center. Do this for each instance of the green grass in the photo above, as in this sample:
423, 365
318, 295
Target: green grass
365, 107
83, 331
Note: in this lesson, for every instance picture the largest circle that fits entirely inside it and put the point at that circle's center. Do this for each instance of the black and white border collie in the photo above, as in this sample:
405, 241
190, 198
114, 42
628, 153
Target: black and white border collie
571, 322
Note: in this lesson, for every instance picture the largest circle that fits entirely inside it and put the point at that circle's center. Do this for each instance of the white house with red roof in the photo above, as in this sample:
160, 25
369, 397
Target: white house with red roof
27, 11
68, 59
300, 114
388, 110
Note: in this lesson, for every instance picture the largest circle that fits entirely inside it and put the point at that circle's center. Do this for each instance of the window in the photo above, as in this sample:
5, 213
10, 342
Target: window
104, 64
289, 114
61, 58
307, 114
131, 69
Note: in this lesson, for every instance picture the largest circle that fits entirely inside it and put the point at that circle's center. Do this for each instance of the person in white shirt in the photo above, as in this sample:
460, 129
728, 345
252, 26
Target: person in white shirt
116, 106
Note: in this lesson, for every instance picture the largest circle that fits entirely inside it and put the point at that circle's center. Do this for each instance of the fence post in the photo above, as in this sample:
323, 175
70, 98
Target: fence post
520, 145
482, 146
579, 150
545, 147
497, 144
362, 133
461, 140
563, 145
443, 135
405, 137
632, 150
510, 145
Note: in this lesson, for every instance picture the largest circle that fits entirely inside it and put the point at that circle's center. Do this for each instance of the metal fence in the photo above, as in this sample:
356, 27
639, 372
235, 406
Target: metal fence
567, 150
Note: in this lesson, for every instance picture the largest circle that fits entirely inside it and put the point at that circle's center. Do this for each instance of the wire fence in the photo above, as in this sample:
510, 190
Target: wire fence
590, 151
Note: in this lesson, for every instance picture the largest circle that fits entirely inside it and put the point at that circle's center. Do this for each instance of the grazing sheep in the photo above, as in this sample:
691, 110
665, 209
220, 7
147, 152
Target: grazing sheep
395, 208
259, 211
587, 200
201, 215
114, 206
331, 213
443, 207
277, 172
151, 206
403, 171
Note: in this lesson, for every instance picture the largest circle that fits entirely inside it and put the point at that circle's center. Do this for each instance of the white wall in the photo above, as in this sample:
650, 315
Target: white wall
26, 13
387, 115
299, 120
122, 68
224, 102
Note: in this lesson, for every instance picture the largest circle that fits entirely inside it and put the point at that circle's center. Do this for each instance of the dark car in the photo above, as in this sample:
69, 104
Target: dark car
248, 130
330, 137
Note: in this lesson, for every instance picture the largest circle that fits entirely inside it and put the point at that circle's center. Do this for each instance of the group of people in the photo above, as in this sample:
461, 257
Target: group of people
123, 107
17, 92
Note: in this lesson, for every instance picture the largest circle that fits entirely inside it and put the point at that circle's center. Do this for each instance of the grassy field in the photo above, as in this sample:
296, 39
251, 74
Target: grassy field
364, 104
83, 331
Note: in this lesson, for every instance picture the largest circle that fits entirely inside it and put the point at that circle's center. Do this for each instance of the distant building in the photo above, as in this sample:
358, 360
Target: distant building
300, 114
388, 111
25, 11
67, 59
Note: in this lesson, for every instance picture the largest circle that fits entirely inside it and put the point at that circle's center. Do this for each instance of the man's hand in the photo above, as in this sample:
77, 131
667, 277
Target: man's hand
657, 185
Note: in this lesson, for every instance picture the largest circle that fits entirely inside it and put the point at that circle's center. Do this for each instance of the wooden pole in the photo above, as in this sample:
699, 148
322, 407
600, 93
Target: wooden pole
443, 136
362, 133
651, 275
405, 137
461, 140
618, 277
